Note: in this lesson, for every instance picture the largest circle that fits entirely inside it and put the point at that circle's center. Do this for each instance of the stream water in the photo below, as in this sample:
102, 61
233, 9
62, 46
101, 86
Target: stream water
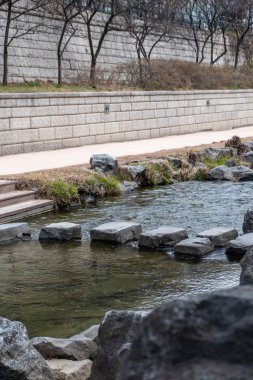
61, 289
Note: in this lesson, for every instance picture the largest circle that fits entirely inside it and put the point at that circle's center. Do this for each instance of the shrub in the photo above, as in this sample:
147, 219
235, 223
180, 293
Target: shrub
63, 194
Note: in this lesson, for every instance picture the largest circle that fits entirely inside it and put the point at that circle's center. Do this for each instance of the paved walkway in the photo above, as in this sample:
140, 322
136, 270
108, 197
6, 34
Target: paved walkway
28, 162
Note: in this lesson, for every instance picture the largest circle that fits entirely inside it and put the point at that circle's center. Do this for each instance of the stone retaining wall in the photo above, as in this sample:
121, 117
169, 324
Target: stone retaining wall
37, 122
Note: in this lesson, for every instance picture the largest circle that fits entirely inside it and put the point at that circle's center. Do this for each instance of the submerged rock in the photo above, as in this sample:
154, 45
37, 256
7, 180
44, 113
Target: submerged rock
195, 247
116, 333
61, 231
14, 231
163, 235
117, 232
18, 358
219, 236
104, 162
248, 222
70, 370
221, 173
205, 337
238, 247
247, 268
242, 173
70, 349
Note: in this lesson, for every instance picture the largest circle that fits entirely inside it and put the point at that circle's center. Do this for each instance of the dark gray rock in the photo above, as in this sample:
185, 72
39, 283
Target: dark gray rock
248, 222
61, 231
117, 331
221, 173
70, 349
18, 359
117, 232
163, 235
207, 337
247, 268
14, 231
242, 173
217, 153
248, 157
104, 162
176, 162
128, 186
135, 172
91, 333
195, 247
249, 144
231, 163
238, 247
219, 236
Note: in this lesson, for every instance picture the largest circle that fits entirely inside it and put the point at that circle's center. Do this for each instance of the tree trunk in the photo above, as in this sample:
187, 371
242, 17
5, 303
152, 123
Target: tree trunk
6, 44
59, 53
93, 72
237, 53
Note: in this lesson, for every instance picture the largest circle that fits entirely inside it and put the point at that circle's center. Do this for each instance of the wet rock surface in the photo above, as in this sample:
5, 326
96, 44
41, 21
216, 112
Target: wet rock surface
18, 358
14, 231
71, 349
61, 231
118, 232
205, 337
161, 236
238, 247
219, 236
195, 247
116, 333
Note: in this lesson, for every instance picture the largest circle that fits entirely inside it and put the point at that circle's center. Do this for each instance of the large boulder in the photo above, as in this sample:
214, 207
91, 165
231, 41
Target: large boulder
61, 231
242, 173
247, 268
14, 231
161, 236
238, 247
248, 222
134, 172
219, 236
18, 358
194, 247
221, 173
214, 154
249, 144
175, 162
104, 163
70, 370
231, 163
116, 333
207, 337
70, 349
116, 232
248, 157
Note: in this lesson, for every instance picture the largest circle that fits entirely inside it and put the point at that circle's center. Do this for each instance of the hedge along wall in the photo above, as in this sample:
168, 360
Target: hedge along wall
34, 56
46, 121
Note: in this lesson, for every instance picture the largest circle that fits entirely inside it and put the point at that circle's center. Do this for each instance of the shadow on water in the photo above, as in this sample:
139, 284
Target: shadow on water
60, 289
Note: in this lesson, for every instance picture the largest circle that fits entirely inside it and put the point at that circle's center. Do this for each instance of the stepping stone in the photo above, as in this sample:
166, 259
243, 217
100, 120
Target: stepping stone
116, 232
164, 235
70, 349
14, 231
194, 247
63, 231
219, 236
238, 247
69, 369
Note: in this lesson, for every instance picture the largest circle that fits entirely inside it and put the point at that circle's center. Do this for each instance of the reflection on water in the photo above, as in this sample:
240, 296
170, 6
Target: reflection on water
60, 289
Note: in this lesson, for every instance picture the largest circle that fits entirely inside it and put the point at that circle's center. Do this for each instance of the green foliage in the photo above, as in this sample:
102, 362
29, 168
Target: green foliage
110, 184
200, 175
210, 164
158, 173
63, 194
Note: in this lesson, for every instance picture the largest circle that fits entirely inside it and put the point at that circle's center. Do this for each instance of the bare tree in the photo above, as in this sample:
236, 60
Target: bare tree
106, 15
148, 23
15, 26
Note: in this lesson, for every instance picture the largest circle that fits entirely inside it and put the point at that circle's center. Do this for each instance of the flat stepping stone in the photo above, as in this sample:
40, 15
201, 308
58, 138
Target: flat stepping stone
238, 247
63, 231
14, 231
219, 236
164, 235
116, 232
196, 247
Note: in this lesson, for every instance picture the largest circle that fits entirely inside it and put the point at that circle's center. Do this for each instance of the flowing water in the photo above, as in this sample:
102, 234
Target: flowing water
61, 289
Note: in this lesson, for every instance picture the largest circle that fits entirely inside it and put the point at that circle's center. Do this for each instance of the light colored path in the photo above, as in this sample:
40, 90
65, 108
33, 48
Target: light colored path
28, 162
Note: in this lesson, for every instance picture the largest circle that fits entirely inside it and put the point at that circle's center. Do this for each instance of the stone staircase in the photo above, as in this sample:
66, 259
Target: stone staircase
15, 205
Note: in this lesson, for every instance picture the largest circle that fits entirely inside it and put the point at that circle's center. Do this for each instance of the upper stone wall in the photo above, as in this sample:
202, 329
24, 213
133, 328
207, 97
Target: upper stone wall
34, 56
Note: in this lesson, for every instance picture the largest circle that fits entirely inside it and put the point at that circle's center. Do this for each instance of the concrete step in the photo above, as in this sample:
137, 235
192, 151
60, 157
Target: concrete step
7, 186
25, 209
14, 197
